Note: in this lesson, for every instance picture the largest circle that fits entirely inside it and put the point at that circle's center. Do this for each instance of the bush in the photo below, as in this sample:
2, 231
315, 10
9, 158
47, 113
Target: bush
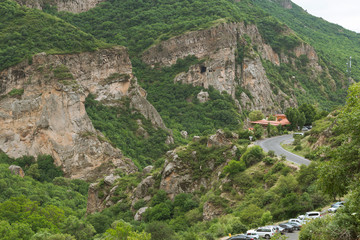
253, 155
271, 153
160, 231
298, 148
234, 167
269, 161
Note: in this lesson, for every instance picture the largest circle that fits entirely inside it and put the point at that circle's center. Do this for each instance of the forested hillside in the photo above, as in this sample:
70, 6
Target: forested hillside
25, 32
333, 43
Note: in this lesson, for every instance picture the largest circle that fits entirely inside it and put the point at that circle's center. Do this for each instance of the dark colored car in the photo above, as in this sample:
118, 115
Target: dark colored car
240, 237
296, 225
288, 228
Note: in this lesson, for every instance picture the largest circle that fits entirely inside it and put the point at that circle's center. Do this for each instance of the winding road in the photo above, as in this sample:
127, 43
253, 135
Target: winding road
274, 144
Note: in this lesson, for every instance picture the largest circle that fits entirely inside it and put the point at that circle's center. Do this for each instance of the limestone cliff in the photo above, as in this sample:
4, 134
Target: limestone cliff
74, 6
222, 69
42, 109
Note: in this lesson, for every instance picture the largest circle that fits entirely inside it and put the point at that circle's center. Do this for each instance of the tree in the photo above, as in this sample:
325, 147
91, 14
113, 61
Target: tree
309, 112
301, 120
252, 155
123, 231
292, 114
258, 131
256, 115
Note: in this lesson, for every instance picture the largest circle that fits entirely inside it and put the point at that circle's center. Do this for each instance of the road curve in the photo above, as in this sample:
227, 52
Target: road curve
274, 144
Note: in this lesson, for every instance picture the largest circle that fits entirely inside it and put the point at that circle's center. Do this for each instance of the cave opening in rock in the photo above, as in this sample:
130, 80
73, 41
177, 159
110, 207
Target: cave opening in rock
202, 69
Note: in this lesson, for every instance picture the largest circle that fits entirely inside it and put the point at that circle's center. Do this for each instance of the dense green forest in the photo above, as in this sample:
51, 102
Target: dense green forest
25, 31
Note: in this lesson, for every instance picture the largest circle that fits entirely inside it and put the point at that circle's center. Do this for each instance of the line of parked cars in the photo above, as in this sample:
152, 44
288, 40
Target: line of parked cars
269, 231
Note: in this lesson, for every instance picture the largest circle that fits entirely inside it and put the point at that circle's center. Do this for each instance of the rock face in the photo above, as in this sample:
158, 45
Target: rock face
222, 70
139, 213
210, 211
17, 170
74, 6
48, 115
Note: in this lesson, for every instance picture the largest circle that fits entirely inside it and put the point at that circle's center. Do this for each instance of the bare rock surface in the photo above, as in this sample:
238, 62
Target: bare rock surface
139, 213
49, 117
17, 170
74, 6
217, 46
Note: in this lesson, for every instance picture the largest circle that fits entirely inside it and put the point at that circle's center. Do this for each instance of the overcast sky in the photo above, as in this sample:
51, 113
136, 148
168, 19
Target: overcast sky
345, 12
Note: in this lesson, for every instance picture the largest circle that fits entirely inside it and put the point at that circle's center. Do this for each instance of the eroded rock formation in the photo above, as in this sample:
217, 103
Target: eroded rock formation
74, 6
223, 70
42, 109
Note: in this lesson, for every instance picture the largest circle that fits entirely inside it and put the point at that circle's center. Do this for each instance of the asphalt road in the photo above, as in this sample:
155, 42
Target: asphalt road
274, 144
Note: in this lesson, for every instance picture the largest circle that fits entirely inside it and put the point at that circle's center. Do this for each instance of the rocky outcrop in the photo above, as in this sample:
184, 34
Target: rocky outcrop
211, 211
221, 69
139, 213
42, 109
203, 96
218, 139
142, 190
74, 6
17, 170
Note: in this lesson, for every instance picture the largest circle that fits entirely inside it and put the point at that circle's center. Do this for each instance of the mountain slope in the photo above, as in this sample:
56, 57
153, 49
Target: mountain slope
334, 43
24, 32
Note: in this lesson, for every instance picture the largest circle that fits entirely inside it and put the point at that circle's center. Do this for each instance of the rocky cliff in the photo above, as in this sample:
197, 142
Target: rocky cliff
224, 69
74, 6
42, 109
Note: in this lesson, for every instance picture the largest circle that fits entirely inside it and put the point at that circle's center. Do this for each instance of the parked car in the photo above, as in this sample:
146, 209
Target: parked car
334, 208
296, 220
312, 215
241, 237
296, 225
265, 232
279, 229
288, 228
341, 203
253, 234
304, 129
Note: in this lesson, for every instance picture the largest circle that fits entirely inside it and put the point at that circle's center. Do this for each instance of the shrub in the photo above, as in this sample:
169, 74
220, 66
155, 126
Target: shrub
271, 153
298, 148
269, 161
256, 115
160, 231
253, 155
234, 167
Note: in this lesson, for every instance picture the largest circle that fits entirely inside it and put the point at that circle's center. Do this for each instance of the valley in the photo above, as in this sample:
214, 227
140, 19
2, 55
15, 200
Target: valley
137, 119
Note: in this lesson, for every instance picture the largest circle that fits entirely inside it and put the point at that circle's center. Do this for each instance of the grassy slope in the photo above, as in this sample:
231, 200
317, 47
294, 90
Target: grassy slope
24, 32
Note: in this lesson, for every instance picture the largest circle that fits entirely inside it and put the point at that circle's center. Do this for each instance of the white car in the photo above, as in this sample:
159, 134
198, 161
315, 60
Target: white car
296, 220
265, 232
334, 208
312, 215
252, 234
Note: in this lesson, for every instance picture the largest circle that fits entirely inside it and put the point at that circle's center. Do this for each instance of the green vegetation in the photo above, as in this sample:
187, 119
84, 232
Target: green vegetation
138, 25
16, 92
120, 125
178, 104
30, 208
333, 44
24, 32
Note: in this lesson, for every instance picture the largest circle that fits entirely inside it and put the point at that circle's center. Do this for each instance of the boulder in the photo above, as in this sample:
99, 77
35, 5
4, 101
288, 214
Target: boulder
17, 170
147, 169
203, 96
184, 134
139, 213
218, 139
109, 180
